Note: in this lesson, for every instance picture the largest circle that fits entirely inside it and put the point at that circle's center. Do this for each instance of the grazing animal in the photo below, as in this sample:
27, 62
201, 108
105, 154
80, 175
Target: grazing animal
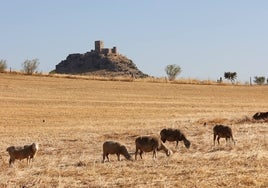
222, 131
174, 135
19, 152
111, 147
260, 115
148, 144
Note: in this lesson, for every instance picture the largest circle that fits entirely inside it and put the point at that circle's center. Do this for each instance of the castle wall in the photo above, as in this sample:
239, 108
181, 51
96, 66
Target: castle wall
99, 48
106, 51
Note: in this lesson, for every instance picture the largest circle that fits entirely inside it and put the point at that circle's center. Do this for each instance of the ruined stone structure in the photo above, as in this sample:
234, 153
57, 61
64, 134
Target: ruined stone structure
99, 48
99, 61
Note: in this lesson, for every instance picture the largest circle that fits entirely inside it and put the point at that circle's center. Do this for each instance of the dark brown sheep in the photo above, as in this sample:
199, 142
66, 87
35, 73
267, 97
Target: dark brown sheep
111, 147
221, 131
26, 152
174, 135
260, 116
148, 144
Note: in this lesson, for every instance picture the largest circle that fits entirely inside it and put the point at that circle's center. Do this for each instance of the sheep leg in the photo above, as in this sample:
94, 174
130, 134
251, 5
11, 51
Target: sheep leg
118, 156
103, 157
136, 153
11, 162
218, 139
141, 153
233, 140
177, 143
154, 154
227, 140
214, 139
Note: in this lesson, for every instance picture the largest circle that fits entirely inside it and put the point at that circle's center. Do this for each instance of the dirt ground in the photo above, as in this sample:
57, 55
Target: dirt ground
71, 118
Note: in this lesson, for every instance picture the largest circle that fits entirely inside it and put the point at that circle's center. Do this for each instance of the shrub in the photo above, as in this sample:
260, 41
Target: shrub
3, 65
172, 71
29, 66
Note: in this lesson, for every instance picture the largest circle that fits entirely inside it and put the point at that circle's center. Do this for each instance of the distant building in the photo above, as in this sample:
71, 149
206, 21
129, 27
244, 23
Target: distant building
99, 48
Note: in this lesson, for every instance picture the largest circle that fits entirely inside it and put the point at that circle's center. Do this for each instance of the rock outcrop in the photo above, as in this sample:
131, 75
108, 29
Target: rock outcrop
99, 62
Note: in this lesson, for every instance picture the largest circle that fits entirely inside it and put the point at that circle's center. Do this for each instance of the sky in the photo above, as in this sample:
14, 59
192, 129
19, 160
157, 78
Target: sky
205, 38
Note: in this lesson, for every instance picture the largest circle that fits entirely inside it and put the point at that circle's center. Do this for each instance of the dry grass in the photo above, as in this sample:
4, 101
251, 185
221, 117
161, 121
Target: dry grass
71, 118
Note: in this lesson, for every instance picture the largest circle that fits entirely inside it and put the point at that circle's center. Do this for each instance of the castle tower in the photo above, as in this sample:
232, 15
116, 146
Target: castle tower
99, 46
114, 50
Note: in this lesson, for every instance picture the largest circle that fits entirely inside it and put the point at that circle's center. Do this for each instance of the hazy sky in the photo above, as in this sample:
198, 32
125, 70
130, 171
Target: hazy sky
205, 38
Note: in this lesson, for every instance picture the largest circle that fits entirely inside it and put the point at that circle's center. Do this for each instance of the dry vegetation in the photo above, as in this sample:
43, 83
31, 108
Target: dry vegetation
71, 118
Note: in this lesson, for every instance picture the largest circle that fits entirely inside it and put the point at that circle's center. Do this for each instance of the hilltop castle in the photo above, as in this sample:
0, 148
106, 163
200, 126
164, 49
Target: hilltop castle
99, 48
99, 61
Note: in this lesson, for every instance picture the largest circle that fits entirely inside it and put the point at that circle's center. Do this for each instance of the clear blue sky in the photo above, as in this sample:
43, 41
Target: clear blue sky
205, 38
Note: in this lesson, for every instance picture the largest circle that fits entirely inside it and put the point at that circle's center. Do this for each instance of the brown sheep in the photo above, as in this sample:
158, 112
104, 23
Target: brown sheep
148, 144
174, 135
221, 131
18, 152
111, 147
260, 116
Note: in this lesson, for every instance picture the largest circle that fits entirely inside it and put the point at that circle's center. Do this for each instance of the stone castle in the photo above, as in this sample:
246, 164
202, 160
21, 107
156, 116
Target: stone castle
99, 48
99, 61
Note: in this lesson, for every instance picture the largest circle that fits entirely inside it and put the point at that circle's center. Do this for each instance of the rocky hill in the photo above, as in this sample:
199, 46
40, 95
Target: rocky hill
92, 63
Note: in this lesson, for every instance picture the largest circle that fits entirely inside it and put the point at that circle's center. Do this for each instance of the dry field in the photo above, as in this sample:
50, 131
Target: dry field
71, 118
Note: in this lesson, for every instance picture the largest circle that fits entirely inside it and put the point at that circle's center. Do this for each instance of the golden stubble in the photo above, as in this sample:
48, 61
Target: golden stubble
71, 118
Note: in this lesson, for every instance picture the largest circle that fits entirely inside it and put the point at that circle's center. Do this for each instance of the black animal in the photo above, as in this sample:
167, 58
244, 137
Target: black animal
222, 131
22, 152
260, 115
174, 135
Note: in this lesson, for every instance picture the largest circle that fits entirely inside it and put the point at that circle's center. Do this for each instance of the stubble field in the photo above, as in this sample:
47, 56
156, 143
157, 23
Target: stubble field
71, 118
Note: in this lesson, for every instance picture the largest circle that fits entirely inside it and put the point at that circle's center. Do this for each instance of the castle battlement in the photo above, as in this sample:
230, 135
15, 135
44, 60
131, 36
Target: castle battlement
99, 48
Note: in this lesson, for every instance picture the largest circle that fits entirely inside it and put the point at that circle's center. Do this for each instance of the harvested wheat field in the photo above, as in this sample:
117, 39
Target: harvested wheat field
71, 118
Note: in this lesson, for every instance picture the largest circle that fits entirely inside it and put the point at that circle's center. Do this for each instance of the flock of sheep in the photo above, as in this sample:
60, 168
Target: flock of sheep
143, 144
156, 143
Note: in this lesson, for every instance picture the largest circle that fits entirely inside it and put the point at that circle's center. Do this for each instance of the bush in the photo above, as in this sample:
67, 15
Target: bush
230, 76
29, 66
172, 71
259, 80
3, 65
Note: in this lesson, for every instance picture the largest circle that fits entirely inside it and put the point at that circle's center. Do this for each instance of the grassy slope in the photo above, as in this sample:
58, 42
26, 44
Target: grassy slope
79, 115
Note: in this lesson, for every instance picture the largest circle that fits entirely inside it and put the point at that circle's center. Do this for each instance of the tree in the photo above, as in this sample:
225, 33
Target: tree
3, 65
172, 71
230, 76
259, 80
29, 66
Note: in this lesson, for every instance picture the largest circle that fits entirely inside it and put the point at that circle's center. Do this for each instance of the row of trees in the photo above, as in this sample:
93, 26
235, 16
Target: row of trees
28, 66
173, 71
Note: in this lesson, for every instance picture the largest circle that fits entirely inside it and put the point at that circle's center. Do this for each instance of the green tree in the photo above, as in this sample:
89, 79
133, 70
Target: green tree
29, 66
230, 76
259, 80
3, 65
172, 71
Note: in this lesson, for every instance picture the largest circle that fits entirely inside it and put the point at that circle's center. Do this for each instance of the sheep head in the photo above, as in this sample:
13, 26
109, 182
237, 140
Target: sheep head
187, 143
35, 147
123, 151
10, 149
